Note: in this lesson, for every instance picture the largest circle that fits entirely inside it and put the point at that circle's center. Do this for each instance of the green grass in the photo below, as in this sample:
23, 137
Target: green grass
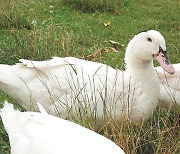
41, 29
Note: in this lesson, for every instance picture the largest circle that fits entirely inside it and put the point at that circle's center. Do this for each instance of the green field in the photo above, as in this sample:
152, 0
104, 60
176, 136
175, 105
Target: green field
40, 29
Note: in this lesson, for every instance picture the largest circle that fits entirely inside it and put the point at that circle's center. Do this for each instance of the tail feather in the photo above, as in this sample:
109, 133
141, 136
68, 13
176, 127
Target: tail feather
41, 108
7, 114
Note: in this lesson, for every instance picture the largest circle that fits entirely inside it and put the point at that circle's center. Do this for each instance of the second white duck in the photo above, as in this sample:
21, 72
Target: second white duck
84, 87
170, 88
40, 133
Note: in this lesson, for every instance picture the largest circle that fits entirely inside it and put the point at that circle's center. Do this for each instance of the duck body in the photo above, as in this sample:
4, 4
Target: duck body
32, 133
170, 88
76, 85
74, 80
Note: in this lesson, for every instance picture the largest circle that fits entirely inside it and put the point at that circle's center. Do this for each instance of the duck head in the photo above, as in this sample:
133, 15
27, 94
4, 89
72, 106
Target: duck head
147, 46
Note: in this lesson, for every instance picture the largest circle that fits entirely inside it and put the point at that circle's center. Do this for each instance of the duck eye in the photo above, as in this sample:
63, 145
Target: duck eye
149, 39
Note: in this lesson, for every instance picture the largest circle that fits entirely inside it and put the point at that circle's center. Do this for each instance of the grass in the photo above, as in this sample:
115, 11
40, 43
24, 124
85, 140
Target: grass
112, 6
41, 29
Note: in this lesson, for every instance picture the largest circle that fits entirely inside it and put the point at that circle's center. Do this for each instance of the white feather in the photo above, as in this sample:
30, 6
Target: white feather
41, 109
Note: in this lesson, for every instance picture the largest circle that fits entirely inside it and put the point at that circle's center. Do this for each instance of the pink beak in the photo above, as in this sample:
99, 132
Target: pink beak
163, 60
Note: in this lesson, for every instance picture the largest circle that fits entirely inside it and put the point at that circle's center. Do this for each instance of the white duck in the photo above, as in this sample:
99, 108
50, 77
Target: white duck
70, 84
170, 88
40, 133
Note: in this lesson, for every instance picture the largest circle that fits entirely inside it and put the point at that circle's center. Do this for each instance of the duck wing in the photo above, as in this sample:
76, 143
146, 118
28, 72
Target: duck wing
53, 83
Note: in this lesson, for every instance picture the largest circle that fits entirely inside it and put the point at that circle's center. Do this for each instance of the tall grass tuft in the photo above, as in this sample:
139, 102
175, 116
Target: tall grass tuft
113, 6
12, 21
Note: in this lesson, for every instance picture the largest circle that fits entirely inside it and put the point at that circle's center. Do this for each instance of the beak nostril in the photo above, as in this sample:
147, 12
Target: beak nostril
166, 61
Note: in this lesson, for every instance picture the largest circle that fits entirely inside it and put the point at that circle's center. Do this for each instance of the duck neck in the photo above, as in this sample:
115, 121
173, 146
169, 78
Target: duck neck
143, 89
137, 68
